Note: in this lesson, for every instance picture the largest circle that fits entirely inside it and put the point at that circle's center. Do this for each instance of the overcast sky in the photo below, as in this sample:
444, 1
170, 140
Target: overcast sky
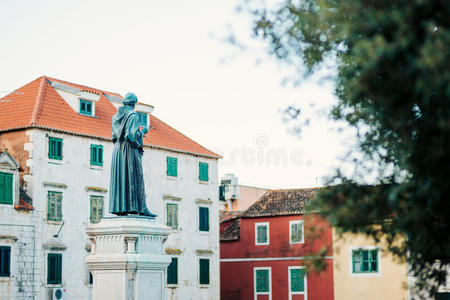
170, 54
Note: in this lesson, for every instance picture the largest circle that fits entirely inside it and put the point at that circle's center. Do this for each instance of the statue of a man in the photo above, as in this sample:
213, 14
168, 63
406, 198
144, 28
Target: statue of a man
127, 191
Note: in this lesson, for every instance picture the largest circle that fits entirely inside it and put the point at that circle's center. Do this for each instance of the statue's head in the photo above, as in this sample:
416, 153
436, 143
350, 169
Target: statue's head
130, 99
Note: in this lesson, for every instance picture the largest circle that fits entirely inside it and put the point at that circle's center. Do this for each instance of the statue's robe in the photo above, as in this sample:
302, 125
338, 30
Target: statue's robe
127, 191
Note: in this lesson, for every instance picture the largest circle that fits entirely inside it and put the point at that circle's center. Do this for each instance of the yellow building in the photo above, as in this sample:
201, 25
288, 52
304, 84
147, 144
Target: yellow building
365, 270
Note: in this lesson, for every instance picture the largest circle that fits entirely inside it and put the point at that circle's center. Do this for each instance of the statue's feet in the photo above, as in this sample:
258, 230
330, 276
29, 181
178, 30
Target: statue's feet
147, 213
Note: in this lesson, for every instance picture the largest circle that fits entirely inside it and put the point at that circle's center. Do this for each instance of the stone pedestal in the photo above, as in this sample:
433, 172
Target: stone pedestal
127, 260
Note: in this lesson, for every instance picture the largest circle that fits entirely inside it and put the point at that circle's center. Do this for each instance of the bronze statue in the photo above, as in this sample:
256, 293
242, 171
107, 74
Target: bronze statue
127, 191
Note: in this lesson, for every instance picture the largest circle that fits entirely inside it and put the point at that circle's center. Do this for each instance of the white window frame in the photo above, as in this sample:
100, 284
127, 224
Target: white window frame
96, 194
47, 145
305, 293
303, 231
256, 233
256, 294
15, 195
373, 274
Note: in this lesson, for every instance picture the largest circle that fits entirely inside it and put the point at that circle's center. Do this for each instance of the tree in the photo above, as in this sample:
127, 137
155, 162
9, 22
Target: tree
392, 81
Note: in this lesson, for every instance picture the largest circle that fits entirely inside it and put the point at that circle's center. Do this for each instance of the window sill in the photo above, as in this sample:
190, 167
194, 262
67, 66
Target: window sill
377, 274
203, 182
55, 161
296, 243
54, 222
168, 177
204, 286
95, 167
172, 286
265, 244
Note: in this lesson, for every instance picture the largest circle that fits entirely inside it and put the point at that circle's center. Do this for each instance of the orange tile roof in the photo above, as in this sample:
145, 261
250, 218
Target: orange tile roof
37, 104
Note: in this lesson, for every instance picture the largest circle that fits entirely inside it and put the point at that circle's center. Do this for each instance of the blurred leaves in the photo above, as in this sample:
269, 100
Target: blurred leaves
393, 85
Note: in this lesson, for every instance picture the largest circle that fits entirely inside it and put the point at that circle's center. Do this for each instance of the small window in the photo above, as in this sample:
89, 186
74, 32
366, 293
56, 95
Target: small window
172, 166
365, 261
5, 261
203, 171
91, 278
97, 155
85, 107
54, 210
172, 271
203, 215
296, 280
142, 117
296, 232
54, 268
6, 188
55, 147
262, 281
172, 215
262, 233
204, 271
96, 209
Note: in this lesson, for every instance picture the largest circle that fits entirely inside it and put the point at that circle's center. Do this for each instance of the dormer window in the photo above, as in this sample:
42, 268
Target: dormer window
142, 119
85, 107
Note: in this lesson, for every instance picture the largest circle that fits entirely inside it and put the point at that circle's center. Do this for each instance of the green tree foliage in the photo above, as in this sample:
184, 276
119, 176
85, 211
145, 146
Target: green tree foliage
391, 77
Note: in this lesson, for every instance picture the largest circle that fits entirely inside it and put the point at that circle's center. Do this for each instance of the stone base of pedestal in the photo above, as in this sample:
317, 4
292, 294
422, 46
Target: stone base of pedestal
127, 259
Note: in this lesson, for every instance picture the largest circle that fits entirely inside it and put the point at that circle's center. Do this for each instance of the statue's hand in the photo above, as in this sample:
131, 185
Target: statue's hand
144, 130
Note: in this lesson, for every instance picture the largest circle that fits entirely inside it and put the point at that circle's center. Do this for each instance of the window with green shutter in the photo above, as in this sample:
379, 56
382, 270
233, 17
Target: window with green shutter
296, 232
203, 214
97, 155
85, 107
5, 261
55, 148
6, 188
365, 261
54, 268
172, 215
172, 166
262, 281
96, 208
142, 119
172, 271
203, 171
54, 209
297, 280
204, 271
262, 233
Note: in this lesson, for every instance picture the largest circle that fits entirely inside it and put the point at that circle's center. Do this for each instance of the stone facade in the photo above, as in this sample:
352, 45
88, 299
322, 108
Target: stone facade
31, 236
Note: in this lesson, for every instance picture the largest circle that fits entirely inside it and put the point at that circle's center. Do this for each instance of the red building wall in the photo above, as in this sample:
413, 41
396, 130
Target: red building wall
239, 258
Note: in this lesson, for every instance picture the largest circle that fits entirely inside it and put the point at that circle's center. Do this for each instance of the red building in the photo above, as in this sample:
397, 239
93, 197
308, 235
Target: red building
266, 250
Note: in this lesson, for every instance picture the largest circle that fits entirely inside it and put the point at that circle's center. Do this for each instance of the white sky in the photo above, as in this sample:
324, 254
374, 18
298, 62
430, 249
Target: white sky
163, 51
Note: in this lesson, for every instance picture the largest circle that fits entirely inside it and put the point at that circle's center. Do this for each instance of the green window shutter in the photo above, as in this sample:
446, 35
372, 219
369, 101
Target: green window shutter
203, 171
261, 234
54, 268
172, 215
296, 232
172, 166
374, 260
55, 148
297, 280
204, 271
54, 206
203, 219
97, 155
5, 261
96, 209
172, 271
6, 188
85, 107
262, 281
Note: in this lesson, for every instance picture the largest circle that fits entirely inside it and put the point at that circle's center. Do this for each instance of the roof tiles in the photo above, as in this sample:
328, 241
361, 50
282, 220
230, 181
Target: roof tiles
37, 104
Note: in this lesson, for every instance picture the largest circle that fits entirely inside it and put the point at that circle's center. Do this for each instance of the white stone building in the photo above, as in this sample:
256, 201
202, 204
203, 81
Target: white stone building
54, 180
